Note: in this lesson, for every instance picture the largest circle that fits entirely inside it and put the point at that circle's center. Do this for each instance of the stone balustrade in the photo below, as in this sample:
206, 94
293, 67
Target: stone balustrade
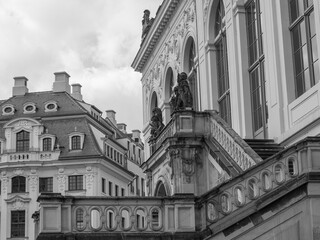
109, 214
29, 156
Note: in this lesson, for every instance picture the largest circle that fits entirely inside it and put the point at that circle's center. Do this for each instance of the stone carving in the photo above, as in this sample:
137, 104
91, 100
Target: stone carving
33, 182
4, 184
188, 169
61, 182
181, 98
156, 123
18, 171
146, 23
18, 204
173, 154
89, 180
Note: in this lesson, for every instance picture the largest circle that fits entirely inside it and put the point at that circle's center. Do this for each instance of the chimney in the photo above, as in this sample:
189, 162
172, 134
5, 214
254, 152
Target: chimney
136, 135
76, 91
112, 116
122, 127
61, 83
20, 86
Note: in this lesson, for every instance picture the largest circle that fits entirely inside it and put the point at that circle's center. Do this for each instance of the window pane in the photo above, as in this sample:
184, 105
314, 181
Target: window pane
294, 10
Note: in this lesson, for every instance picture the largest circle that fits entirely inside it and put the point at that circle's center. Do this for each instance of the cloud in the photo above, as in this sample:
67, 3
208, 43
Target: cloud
94, 41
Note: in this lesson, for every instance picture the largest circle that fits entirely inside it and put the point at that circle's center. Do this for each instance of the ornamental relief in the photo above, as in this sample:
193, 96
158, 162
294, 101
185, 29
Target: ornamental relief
33, 182
170, 53
62, 179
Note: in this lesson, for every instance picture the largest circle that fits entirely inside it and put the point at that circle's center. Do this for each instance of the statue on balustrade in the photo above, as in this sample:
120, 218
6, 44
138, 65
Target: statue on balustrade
156, 123
181, 98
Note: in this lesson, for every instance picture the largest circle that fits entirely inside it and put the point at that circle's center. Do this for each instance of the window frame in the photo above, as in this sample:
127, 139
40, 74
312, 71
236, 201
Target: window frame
303, 17
25, 141
20, 224
75, 183
47, 183
20, 186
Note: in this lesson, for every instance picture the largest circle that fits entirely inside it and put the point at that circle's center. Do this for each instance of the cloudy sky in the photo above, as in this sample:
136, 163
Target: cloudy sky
94, 41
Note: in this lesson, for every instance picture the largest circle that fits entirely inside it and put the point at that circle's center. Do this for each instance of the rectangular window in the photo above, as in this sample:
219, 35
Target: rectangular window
47, 144
75, 143
75, 182
18, 221
103, 185
110, 188
46, 184
108, 151
114, 154
116, 192
23, 141
111, 153
259, 105
18, 184
304, 45
122, 192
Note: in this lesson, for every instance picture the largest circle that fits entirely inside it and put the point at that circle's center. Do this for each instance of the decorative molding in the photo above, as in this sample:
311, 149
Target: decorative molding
33, 182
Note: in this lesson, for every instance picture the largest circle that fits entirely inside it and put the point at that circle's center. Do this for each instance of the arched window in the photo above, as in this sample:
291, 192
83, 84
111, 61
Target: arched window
253, 189
18, 184
47, 144
279, 174
190, 69
79, 218
266, 181
75, 143
292, 167
222, 64
225, 203
239, 196
23, 141
160, 190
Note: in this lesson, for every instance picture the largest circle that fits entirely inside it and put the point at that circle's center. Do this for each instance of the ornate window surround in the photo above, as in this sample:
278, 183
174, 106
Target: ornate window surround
6, 106
29, 104
46, 135
73, 134
49, 109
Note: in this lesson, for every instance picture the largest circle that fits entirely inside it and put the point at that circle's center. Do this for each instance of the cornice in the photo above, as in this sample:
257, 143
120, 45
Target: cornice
158, 26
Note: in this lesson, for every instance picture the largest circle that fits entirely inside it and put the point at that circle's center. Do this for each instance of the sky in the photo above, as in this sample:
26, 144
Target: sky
94, 41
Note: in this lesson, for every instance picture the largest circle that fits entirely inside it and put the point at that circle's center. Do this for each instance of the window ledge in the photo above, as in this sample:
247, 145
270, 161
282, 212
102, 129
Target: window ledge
76, 192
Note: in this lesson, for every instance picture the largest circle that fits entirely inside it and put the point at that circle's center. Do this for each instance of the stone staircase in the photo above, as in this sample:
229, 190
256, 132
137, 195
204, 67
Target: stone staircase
265, 148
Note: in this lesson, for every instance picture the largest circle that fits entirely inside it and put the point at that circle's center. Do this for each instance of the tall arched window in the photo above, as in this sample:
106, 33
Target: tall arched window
222, 64
23, 141
154, 103
190, 69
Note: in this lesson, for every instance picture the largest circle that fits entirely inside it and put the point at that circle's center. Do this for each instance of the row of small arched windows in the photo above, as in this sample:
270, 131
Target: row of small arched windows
252, 190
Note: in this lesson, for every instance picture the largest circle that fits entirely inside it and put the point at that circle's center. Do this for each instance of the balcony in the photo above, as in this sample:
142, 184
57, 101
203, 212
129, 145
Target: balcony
32, 155
208, 126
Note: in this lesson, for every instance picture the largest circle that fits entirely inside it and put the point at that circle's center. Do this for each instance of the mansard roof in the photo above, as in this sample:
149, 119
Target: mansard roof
66, 104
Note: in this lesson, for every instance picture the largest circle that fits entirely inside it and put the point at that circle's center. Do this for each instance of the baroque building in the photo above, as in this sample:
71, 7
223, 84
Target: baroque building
231, 127
53, 141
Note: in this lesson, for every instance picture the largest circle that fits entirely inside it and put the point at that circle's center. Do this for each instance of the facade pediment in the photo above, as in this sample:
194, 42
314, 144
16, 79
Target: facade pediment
22, 123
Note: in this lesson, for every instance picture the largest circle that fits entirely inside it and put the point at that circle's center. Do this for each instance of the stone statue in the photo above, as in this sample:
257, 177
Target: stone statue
181, 98
146, 23
156, 123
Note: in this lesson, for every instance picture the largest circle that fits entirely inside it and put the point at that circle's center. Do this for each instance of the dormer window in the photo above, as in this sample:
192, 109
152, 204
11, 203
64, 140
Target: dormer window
76, 140
23, 141
47, 144
7, 110
51, 106
29, 108
75, 143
